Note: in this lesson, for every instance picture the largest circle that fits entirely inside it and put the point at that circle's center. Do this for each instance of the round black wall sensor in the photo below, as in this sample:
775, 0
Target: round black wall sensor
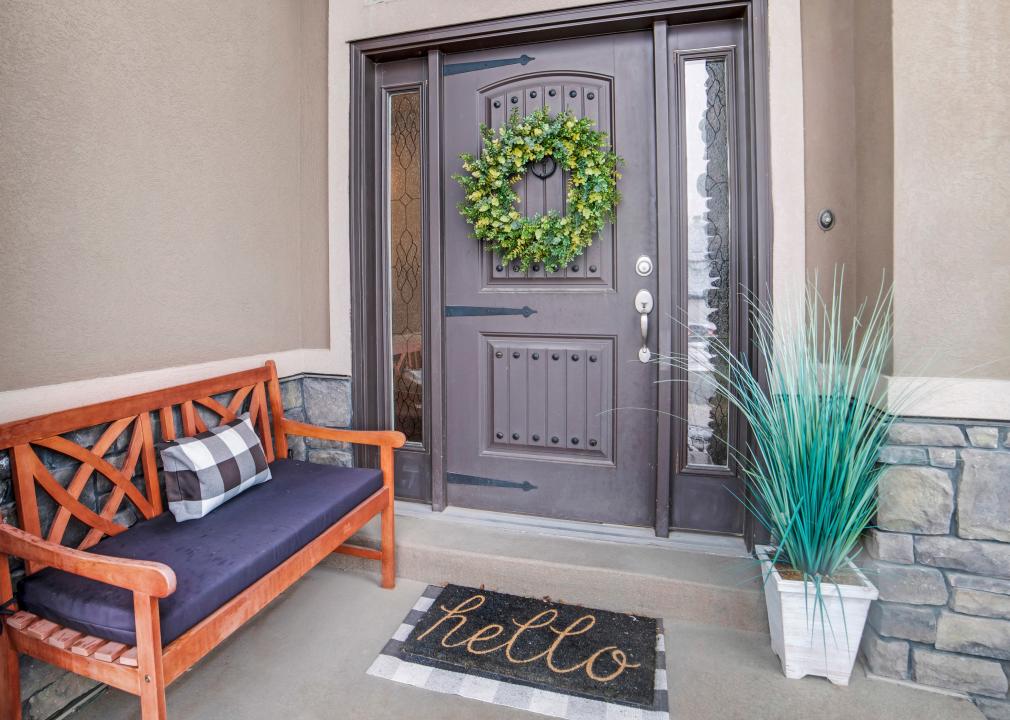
826, 219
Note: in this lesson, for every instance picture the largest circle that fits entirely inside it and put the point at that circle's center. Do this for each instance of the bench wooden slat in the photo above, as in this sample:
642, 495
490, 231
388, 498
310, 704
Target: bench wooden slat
110, 651
42, 629
87, 645
129, 657
21, 619
360, 551
64, 638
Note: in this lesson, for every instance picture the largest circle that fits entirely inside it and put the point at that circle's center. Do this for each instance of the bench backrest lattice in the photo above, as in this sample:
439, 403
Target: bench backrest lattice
124, 455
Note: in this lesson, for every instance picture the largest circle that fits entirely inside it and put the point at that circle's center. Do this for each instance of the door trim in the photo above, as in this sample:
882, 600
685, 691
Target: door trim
367, 266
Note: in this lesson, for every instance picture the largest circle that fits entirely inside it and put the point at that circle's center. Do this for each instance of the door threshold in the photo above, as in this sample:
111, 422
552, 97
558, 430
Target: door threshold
706, 544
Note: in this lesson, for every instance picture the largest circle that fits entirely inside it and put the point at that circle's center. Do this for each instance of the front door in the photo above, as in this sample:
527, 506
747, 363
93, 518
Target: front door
550, 408
525, 390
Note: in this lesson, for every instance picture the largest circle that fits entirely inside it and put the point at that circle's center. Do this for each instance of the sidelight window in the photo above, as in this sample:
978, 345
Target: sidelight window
708, 245
406, 289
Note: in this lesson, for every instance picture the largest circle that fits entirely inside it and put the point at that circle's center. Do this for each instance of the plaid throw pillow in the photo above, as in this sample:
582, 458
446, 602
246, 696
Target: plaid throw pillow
207, 470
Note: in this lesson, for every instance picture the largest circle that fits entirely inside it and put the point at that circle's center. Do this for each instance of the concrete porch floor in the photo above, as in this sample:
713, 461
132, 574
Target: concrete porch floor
305, 657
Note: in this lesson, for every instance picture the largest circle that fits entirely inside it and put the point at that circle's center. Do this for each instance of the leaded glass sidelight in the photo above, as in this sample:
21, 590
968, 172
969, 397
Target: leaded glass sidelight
405, 250
707, 144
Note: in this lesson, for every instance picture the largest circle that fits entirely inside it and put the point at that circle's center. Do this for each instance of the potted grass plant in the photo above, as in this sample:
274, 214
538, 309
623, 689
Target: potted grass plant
817, 425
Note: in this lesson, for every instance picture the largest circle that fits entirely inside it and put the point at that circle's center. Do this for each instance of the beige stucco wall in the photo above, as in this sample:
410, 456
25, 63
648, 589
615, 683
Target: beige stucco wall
162, 184
874, 147
848, 130
952, 187
907, 136
829, 112
848, 141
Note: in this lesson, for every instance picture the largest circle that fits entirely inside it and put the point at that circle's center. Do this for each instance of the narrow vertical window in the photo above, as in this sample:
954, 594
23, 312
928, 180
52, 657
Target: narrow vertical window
405, 252
707, 146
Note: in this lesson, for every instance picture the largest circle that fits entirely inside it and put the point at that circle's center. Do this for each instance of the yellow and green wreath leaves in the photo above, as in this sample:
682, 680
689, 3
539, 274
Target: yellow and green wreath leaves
489, 205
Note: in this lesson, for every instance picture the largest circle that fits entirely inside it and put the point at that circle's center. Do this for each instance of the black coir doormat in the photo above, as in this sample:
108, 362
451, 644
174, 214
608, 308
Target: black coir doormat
551, 658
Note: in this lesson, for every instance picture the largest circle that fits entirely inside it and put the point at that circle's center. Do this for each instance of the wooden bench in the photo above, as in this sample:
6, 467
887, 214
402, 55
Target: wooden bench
146, 668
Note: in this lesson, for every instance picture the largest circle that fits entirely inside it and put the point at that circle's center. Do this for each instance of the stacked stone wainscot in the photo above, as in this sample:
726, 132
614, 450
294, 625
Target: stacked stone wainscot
940, 556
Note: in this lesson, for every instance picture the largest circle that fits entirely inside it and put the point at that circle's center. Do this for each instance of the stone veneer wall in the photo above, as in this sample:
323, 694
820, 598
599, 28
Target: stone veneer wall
319, 399
940, 557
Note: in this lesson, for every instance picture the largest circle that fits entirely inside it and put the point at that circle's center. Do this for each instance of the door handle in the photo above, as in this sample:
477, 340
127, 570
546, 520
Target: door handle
643, 304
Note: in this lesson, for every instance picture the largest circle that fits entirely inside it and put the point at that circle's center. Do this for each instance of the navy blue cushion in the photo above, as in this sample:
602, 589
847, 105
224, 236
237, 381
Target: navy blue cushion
214, 558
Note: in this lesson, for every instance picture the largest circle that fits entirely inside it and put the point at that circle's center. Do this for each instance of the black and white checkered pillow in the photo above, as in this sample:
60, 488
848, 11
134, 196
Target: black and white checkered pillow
206, 470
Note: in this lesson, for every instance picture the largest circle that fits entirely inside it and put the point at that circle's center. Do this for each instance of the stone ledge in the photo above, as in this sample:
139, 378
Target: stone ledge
914, 433
885, 657
943, 457
915, 499
911, 584
890, 547
985, 480
978, 582
984, 558
327, 401
971, 635
984, 437
900, 455
957, 672
980, 603
905, 622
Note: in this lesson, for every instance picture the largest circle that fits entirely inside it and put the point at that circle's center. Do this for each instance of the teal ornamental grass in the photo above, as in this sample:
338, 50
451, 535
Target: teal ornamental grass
818, 420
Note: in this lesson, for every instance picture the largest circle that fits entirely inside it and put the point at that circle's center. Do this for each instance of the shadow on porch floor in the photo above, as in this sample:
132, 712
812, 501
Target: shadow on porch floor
305, 656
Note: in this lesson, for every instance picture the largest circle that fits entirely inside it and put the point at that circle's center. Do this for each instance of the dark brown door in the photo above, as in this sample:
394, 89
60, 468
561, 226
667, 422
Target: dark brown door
525, 391
550, 409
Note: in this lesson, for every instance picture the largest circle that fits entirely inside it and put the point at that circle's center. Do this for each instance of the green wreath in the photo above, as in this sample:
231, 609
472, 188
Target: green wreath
490, 202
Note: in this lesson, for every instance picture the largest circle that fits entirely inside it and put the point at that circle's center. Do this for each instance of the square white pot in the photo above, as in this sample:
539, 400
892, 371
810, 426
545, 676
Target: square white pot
807, 639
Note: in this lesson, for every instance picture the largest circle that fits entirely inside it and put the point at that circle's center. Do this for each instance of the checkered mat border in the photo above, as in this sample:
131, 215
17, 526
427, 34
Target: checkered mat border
391, 666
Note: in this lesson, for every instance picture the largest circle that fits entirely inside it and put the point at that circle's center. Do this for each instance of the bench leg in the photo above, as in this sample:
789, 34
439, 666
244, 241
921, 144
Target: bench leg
10, 679
388, 549
388, 534
149, 660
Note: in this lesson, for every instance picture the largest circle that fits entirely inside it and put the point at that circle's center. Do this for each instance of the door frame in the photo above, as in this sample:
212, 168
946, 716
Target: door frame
367, 243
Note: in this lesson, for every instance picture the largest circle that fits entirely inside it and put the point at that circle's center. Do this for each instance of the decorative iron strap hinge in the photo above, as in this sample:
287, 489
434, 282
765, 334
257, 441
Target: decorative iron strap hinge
480, 311
457, 479
459, 68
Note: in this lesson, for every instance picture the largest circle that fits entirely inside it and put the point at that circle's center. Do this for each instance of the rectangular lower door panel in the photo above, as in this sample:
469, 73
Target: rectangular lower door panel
549, 396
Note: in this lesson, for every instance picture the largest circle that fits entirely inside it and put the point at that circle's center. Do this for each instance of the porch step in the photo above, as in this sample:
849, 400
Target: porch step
691, 578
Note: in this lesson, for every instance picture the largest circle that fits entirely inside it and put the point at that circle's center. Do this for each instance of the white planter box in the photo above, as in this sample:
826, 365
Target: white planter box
806, 644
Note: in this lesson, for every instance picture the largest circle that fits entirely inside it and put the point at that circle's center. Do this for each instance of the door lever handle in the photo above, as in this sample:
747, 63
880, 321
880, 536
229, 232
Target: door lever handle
643, 304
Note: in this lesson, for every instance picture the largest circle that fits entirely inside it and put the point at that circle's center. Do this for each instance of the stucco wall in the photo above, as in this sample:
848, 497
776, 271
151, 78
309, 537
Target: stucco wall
162, 184
906, 138
829, 112
952, 187
874, 149
847, 72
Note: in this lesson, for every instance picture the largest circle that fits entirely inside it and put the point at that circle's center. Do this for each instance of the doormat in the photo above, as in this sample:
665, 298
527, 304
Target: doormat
559, 660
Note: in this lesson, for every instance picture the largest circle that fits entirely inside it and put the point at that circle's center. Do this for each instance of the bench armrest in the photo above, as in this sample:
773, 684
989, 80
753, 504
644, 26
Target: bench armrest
379, 438
143, 576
